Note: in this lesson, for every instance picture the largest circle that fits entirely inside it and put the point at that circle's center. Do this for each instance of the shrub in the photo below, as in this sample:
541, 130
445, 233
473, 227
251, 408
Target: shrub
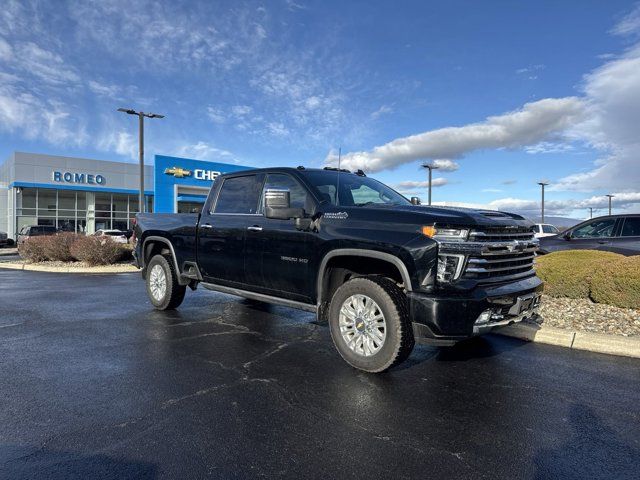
33, 249
603, 277
618, 283
569, 273
97, 250
58, 247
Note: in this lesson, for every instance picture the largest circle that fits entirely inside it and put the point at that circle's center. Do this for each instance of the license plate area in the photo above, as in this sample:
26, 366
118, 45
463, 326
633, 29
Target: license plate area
525, 303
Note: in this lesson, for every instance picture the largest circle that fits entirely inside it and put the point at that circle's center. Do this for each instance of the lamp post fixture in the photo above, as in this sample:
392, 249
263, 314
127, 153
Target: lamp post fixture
610, 197
431, 167
141, 116
542, 184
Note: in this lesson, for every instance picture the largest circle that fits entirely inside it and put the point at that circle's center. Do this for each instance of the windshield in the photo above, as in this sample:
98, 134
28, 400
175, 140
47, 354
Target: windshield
354, 190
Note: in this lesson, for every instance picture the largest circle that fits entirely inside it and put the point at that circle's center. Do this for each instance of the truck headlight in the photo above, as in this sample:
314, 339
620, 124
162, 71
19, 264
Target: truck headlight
446, 234
449, 267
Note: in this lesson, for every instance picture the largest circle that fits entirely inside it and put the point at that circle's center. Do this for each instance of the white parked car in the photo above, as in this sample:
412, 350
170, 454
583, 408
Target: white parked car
117, 236
544, 230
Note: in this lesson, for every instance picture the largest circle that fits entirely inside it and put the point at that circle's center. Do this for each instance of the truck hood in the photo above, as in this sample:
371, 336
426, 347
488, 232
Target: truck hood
454, 216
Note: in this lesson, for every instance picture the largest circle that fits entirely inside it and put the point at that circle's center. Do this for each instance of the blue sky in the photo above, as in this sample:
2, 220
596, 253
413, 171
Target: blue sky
501, 94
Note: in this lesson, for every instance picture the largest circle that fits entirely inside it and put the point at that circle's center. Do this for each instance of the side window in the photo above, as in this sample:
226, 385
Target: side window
596, 229
238, 195
364, 194
631, 227
280, 181
549, 229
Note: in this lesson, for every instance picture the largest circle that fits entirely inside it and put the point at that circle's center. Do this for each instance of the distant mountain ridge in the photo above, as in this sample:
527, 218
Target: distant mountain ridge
557, 221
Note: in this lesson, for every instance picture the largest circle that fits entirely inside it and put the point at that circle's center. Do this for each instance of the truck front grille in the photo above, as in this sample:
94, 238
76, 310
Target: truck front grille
503, 252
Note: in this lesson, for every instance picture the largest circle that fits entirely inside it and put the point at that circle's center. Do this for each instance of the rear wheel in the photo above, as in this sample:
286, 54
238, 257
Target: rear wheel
163, 288
369, 322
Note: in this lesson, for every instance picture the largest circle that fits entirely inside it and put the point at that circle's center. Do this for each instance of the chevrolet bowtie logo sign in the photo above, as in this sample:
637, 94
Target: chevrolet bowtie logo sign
177, 172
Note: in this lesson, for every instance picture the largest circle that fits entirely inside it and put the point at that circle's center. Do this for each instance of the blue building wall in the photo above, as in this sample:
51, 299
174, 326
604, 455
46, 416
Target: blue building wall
172, 171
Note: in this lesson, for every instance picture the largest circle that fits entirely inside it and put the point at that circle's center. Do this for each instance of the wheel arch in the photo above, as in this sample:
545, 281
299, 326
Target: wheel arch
155, 245
398, 266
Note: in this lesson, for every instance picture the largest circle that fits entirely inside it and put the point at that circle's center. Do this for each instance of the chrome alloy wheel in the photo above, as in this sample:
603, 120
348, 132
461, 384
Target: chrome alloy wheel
158, 282
362, 325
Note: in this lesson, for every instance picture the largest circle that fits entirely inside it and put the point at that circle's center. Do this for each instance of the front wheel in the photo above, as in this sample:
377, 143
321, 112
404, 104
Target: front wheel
370, 325
163, 288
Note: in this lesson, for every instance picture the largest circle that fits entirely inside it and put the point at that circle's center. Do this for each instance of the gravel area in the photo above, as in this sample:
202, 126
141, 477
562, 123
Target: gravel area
584, 315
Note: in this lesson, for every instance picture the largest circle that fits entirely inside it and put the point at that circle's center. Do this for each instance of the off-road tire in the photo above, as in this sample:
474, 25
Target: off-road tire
392, 301
174, 292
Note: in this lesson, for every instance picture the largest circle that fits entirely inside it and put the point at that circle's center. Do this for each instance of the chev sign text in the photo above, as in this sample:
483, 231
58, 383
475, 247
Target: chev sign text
83, 178
200, 174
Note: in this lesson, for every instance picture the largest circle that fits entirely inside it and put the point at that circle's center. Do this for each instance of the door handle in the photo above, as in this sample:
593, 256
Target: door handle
254, 228
206, 225
602, 242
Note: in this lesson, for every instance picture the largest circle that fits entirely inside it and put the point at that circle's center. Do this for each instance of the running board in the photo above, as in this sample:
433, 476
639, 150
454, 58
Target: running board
261, 297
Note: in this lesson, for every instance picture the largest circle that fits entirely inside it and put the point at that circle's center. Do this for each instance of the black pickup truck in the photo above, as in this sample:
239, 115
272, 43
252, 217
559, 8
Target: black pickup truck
383, 271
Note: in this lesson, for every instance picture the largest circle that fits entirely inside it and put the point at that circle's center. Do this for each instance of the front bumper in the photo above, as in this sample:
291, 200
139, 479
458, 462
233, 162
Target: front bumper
448, 318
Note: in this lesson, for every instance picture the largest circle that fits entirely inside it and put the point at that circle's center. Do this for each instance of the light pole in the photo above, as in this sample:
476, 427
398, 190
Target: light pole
590, 212
431, 167
141, 116
610, 197
542, 184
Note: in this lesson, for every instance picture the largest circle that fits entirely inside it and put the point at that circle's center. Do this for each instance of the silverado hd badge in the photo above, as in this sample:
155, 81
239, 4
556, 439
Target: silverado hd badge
336, 215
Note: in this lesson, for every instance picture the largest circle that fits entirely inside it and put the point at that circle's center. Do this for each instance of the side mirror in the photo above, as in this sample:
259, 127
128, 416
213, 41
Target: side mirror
415, 201
277, 205
566, 235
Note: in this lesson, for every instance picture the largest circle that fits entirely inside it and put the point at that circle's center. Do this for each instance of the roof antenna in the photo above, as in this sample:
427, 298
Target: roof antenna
338, 182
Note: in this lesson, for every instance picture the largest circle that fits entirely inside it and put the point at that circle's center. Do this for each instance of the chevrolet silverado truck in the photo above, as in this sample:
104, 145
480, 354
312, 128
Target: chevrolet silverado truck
382, 270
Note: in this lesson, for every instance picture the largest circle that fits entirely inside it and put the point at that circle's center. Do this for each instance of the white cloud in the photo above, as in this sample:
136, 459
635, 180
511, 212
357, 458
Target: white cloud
241, 110
216, 115
410, 184
121, 142
491, 190
533, 123
109, 91
383, 110
613, 96
204, 151
35, 118
548, 147
627, 201
445, 165
629, 25
47, 65
278, 129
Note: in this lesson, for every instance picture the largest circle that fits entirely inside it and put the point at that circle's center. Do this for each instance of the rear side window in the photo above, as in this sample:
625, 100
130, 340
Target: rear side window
631, 227
238, 195
549, 229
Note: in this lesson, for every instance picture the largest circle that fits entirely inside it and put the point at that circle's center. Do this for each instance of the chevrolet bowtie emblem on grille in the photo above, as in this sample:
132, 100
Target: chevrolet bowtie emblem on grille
177, 172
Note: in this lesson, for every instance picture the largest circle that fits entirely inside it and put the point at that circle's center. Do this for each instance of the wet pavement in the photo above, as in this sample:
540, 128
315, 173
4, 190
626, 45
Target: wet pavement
96, 384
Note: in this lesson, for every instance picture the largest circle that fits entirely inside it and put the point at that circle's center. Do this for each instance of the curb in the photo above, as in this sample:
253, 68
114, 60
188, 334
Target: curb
592, 342
44, 268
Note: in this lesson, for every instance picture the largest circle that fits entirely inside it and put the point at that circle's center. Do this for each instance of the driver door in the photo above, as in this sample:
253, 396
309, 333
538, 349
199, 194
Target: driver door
277, 254
595, 235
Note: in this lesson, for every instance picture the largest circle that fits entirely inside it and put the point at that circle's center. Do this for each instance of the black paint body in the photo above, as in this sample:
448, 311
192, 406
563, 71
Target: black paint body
284, 262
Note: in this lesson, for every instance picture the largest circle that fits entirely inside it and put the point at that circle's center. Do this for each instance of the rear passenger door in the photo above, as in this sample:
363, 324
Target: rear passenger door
628, 242
222, 230
277, 254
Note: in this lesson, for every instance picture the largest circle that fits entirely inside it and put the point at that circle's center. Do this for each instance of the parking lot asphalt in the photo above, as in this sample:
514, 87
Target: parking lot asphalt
96, 384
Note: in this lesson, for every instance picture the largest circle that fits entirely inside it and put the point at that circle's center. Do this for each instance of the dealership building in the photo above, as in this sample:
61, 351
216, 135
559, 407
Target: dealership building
84, 195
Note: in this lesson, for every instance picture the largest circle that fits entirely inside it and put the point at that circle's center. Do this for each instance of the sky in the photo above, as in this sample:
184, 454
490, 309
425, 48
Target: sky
499, 95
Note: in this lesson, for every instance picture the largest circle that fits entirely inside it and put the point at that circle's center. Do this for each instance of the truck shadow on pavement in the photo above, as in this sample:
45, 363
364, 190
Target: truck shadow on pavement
29, 462
592, 450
